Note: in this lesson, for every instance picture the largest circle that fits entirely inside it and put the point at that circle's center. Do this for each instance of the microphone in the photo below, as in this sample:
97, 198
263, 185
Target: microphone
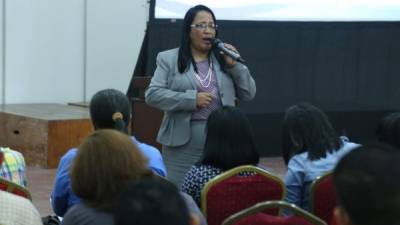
217, 43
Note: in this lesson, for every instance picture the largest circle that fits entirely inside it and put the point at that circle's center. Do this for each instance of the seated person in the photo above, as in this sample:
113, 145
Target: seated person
13, 167
229, 143
152, 202
105, 163
311, 148
368, 187
15, 209
109, 109
388, 130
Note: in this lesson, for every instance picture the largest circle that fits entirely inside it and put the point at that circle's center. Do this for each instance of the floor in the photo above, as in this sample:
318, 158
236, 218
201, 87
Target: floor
40, 182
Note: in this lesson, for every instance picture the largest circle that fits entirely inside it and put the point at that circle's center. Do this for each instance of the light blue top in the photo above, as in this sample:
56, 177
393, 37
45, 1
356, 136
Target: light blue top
62, 197
302, 172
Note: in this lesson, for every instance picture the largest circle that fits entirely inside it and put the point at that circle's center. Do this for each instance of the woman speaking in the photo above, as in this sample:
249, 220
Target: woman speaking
189, 83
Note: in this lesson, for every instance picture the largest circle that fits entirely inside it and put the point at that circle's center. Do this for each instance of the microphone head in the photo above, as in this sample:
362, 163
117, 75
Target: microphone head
214, 41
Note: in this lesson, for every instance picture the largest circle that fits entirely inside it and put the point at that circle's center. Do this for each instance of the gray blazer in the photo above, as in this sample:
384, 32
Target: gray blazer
175, 94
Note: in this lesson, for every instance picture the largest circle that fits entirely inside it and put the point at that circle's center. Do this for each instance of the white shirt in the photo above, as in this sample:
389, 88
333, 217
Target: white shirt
16, 210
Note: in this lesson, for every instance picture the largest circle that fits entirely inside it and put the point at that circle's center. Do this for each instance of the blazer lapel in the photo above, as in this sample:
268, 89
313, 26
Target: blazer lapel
190, 76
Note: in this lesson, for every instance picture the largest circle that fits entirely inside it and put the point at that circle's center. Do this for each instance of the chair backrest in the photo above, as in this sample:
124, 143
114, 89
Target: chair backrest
254, 215
14, 188
323, 197
231, 192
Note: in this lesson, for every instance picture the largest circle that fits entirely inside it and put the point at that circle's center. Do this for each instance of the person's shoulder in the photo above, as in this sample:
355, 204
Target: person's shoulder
169, 53
196, 168
84, 214
69, 155
11, 152
347, 144
146, 148
77, 210
299, 157
298, 160
204, 168
9, 197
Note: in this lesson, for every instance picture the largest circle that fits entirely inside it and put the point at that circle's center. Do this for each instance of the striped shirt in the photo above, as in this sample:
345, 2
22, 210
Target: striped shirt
206, 81
13, 167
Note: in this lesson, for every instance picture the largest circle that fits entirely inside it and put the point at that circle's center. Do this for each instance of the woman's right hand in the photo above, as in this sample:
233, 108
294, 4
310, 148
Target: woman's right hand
203, 99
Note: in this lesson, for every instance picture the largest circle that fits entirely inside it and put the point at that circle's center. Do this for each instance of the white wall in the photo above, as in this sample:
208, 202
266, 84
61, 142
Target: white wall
115, 31
2, 77
66, 50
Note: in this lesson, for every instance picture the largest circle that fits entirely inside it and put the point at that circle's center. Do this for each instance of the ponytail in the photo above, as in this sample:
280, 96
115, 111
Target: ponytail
119, 123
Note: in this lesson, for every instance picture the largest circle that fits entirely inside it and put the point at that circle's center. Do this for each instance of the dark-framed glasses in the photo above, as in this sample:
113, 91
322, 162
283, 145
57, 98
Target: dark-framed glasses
204, 26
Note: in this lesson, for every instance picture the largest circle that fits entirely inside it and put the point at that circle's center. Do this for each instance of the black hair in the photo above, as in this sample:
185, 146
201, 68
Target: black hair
307, 128
388, 130
185, 52
151, 202
368, 186
229, 140
105, 107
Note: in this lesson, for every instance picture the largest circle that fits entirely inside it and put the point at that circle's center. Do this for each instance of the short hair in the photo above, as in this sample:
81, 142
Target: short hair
151, 202
110, 109
105, 162
185, 57
388, 130
307, 128
229, 140
368, 185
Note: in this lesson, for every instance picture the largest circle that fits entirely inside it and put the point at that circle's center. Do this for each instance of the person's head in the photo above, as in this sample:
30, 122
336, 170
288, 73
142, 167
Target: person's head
199, 24
388, 130
105, 162
368, 186
307, 128
152, 202
229, 140
110, 109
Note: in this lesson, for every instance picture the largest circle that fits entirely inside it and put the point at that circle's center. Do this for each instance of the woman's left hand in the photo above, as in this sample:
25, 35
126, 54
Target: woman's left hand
229, 61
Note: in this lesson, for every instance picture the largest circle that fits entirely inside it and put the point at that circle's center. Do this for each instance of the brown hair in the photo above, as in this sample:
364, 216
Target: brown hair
105, 162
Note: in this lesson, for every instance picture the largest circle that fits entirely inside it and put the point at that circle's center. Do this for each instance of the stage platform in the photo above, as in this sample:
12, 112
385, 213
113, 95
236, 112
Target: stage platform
43, 132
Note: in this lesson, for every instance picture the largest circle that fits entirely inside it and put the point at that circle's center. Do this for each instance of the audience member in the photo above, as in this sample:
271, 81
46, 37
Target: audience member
152, 202
229, 143
109, 109
311, 148
105, 163
13, 167
368, 187
15, 209
388, 130
193, 208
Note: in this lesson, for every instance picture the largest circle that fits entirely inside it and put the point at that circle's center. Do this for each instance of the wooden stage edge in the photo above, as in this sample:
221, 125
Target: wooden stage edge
43, 132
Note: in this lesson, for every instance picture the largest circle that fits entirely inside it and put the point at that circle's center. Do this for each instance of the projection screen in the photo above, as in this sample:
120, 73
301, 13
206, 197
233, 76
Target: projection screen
286, 10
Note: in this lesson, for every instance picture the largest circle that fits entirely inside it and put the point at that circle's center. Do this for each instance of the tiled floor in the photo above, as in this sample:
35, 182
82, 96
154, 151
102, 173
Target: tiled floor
40, 182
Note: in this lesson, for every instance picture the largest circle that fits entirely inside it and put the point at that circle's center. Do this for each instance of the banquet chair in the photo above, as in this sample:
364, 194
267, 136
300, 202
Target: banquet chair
254, 215
237, 189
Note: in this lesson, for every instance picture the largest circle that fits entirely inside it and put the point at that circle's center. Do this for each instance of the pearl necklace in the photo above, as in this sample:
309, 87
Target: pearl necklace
206, 81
